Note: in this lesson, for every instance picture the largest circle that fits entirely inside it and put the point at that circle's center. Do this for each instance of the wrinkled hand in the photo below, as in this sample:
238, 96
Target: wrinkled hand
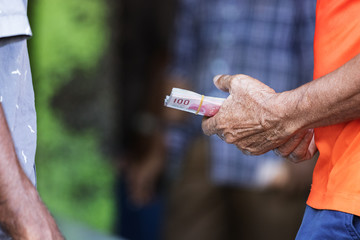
253, 117
298, 148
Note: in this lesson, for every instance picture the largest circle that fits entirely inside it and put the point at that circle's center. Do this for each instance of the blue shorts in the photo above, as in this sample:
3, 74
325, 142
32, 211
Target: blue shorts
328, 224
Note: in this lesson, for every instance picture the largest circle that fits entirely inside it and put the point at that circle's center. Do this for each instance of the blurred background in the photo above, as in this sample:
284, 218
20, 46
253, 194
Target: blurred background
111, 162
86, 56
75, 176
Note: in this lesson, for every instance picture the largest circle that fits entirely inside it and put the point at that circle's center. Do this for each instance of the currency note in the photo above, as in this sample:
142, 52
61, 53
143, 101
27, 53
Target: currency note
193, 102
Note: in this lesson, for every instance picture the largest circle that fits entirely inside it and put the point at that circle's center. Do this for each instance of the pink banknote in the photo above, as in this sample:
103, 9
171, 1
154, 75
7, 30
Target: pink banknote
189, 101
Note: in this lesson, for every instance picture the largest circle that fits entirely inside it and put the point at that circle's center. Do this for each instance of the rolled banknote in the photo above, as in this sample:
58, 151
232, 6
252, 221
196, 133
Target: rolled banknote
193, 102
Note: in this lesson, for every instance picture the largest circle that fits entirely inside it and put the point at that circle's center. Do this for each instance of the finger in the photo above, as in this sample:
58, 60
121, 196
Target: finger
308, 154
246, 152
301, 152
290, 145
221, 136
250, 151
223, 82
209, 126
312, 147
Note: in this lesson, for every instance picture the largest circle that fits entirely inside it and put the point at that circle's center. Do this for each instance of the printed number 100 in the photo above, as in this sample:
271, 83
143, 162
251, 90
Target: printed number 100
181, 101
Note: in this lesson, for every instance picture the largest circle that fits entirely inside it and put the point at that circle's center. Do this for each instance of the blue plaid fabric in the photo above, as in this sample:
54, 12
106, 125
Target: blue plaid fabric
270, 40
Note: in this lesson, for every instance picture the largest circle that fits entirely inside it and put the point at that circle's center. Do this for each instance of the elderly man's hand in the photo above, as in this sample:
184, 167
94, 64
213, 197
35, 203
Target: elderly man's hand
254, 117
299, 147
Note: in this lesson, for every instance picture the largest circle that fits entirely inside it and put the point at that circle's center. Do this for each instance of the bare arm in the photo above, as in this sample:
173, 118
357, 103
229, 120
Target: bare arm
257, 120
333, 98
22, 213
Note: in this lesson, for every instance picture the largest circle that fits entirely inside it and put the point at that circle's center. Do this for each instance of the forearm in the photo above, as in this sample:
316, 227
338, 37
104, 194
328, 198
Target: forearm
22, 214
331, 99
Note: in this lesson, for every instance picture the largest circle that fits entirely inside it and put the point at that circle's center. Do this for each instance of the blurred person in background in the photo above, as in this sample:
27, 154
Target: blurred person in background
22, 213
221, 193
144, 36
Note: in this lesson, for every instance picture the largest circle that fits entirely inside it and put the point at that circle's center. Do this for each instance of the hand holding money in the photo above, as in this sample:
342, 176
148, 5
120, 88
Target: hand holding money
192, 102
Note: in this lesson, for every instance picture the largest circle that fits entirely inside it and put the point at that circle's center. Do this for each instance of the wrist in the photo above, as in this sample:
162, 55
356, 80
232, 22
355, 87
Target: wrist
292, 111
33, 221
24, 216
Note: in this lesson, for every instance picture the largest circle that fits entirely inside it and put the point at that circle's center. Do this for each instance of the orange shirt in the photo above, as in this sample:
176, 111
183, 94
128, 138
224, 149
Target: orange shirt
336, 179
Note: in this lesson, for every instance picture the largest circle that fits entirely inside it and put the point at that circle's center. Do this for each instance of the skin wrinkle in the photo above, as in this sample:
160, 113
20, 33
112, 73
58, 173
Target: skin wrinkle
342, 108
299, 156
342, 104
267, 122
286, 149
245, 131
302, 151
257, 134
236, 134
253, 146
285, 118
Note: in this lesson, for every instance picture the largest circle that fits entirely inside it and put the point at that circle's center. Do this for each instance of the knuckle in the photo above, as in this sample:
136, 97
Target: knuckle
282, 152
307, 156
239, 146
219, 77
293, 159
246, 150
296, 157
240, 76
277, 152
229, 138
236, 82
209, 126
204, 128
257, 152
285, 149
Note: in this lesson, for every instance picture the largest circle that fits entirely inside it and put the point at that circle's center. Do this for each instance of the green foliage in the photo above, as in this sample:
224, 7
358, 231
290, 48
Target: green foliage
68, 34
74, 178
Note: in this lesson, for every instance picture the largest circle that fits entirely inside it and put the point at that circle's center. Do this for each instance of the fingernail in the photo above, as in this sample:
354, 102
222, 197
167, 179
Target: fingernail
217, 77
293, 158
246, 152
221, 136
277, 152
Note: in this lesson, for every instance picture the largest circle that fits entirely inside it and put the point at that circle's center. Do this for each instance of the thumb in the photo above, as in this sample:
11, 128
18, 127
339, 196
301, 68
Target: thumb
209, 125
223, 82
